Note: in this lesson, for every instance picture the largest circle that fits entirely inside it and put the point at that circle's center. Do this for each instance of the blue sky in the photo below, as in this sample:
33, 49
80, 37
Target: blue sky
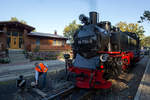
49, 15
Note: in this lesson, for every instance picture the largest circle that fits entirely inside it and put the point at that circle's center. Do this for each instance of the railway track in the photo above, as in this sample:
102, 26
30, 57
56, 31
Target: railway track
123, 88
70, 93
65, 93
59, 95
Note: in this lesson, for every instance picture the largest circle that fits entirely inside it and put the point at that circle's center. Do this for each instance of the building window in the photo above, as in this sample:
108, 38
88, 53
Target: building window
54, 42
38, 41
63, 43
57, 43
14, 33
60, 43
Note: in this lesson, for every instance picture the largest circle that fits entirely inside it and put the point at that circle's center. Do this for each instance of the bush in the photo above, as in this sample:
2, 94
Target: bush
37, 49
53, 58
45, 55
4, 60
24, 52
39, 58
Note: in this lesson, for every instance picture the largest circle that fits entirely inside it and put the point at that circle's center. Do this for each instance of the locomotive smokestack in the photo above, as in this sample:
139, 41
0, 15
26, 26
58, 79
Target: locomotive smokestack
93, 17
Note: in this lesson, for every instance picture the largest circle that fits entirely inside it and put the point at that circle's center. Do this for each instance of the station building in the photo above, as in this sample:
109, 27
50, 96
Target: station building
15, 35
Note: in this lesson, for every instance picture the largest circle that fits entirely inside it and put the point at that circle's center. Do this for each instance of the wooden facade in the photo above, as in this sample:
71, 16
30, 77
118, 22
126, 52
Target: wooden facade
15, 35
50, 42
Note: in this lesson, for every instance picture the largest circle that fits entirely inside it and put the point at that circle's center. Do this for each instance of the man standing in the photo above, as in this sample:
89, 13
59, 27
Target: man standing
40, 69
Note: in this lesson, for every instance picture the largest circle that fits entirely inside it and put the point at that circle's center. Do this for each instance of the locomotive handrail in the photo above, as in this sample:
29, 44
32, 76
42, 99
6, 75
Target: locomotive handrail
109, 52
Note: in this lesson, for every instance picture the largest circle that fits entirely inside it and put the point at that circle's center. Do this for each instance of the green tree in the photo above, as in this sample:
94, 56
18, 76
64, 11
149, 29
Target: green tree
146, 41
70, 30
16, 19
145, 16
132, 27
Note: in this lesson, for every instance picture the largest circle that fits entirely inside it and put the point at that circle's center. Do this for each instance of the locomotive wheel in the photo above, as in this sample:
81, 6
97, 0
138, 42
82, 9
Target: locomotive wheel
114, 68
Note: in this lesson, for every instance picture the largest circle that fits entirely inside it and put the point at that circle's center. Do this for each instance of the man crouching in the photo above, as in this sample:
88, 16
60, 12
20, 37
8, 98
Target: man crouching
40, 70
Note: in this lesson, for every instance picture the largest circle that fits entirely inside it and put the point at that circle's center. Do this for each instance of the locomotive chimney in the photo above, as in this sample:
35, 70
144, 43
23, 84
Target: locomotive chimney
93, 17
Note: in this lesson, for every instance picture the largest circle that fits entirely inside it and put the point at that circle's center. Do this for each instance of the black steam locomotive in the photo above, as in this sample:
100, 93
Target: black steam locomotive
101, 51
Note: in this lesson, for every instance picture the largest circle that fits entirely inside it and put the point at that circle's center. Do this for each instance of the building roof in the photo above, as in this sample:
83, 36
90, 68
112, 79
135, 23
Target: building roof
46, 35
16, 23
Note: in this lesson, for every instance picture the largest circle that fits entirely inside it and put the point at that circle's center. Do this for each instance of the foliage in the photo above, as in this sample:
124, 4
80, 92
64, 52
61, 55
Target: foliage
16, 19
145, 16
4, 60
132, 27
24, 51
146, 41
39, 58
70, 30
37, 49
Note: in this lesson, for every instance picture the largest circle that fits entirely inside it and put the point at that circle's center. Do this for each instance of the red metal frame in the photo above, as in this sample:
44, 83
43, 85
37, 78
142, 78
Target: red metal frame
92, 78
126, 57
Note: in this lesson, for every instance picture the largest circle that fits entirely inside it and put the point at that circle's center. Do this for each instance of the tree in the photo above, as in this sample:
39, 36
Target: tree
16, 19
132, 27
146, 41
70, 30
145, 16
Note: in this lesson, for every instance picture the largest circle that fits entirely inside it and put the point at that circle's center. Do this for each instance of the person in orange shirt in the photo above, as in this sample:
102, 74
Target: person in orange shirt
40, 70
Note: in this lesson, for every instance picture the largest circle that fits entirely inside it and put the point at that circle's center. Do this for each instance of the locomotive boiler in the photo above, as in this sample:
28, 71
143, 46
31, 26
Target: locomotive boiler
101, 51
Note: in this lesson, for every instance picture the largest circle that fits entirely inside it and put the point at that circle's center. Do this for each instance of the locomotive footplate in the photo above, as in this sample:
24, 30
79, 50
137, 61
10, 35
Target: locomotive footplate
90, 79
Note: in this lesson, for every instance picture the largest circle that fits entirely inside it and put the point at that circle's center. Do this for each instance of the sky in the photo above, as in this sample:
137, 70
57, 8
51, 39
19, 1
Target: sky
49, 15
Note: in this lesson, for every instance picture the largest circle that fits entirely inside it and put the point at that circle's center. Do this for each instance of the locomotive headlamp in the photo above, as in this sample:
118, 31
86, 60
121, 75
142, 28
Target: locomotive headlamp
81, 17
104, 57
84, 19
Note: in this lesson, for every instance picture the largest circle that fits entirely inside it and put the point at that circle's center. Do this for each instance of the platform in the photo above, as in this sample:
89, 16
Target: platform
143, 92
12, 71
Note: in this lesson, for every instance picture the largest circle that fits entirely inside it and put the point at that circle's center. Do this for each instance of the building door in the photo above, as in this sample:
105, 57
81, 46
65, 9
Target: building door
14, 42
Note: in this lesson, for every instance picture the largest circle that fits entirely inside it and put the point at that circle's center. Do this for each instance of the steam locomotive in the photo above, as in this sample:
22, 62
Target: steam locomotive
100, 52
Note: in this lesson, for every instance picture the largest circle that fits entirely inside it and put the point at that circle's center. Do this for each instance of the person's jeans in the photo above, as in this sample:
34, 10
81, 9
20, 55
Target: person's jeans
44, 79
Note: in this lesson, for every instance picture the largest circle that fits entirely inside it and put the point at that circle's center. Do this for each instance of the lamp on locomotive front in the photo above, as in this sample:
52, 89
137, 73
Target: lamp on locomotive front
84, 19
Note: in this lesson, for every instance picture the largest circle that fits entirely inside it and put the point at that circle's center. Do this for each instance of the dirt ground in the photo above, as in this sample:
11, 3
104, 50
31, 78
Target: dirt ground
124, 88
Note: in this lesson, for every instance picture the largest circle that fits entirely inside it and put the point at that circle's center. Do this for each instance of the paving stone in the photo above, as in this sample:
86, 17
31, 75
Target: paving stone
143, 92
11, 72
